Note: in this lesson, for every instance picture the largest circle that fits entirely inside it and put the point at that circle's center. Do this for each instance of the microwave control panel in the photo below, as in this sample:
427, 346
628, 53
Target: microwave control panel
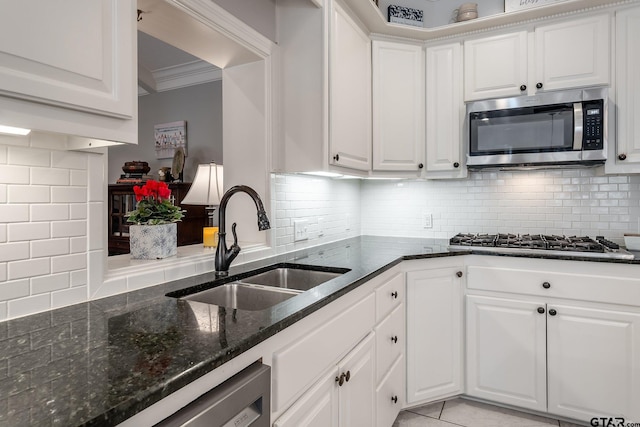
593, 125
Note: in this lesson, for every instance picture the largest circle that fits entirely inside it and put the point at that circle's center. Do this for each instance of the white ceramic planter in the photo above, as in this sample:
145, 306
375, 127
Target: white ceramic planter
153, 241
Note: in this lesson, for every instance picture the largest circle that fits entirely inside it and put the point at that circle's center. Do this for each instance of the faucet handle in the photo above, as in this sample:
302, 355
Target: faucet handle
235, 248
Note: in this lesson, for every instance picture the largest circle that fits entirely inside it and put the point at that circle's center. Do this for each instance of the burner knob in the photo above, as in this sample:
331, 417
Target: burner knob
546, 285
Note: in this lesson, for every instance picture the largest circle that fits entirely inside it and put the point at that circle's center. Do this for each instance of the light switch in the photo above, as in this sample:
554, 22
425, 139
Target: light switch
300, 229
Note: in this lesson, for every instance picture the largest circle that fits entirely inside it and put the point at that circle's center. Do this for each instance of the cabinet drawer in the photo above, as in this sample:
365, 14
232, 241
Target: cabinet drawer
587, 287
390, 341
296, 366
390, 395
389, 296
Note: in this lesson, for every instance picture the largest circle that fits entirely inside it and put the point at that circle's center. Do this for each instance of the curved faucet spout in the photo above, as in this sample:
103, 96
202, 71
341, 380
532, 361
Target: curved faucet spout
224, 256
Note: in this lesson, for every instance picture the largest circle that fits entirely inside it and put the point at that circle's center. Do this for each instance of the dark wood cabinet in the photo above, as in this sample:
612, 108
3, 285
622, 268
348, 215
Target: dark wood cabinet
122, 200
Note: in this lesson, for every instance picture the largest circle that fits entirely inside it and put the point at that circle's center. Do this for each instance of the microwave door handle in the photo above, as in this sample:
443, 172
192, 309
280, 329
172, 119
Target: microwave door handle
578, 121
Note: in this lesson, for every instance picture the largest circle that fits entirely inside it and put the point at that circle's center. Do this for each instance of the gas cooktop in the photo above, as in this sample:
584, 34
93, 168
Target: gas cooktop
540, 244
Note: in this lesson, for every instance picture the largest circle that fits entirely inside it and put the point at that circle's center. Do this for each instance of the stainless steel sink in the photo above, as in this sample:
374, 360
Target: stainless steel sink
292, 278
266, 288
243, 296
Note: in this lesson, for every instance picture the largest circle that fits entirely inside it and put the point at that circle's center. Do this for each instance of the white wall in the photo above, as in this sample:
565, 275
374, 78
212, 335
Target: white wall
200, 106
552, 202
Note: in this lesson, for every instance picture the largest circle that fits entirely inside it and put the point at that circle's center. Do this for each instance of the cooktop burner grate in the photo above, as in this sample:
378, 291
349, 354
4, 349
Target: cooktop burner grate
539, 243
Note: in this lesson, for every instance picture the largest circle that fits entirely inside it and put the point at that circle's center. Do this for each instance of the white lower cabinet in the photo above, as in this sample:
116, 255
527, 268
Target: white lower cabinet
342, 397
506, 351
593, 362
389, 395
561, 337
434, 330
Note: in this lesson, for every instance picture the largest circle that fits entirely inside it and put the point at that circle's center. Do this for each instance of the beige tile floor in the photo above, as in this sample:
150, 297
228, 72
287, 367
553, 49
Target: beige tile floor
467, 413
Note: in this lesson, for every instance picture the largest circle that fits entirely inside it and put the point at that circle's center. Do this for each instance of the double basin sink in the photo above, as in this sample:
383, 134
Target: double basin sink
263, 288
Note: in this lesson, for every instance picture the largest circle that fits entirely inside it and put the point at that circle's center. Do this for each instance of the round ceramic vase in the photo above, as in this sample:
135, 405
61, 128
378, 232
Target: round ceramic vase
153, 241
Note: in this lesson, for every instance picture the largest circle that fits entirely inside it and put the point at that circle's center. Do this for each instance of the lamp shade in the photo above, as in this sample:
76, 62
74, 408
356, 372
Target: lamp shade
207, 186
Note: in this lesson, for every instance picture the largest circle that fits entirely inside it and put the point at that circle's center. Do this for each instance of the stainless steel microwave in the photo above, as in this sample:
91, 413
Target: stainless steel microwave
553, 129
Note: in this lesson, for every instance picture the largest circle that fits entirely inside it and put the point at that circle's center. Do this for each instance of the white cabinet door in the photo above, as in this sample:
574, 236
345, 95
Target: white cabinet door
398, 106
318, 407
593, 363
495, 66
349, 93
434, 334
390, 396
75, 54
506, 351
358, 391
573, 53
444, 112
625, 153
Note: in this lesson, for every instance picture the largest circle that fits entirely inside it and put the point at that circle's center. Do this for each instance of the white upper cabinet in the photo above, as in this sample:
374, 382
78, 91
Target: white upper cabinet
349, 93
567, 54
398, 106
624, 155
495, 66
445, 112
75, 56
572, 54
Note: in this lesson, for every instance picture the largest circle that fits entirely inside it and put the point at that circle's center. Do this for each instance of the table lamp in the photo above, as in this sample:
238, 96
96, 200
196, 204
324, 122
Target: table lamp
207, 190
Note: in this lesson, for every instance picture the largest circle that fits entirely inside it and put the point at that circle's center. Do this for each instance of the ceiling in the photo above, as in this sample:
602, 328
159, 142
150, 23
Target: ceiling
164, 67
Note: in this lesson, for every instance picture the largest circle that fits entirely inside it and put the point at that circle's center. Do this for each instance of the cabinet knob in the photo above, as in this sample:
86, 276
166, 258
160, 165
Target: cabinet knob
622, 156
336, 157
541, 310
420, 166
394, 339
539, 85
546, 285
340, 379
456, 164
523, 88
459, 274
347, 377
394, 399
552, 312
394, 294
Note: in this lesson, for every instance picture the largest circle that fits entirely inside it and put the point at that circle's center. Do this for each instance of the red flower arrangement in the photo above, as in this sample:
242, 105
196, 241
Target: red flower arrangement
154, 206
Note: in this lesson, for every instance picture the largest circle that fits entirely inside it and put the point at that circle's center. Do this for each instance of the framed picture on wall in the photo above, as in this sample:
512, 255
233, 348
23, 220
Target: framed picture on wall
169, 137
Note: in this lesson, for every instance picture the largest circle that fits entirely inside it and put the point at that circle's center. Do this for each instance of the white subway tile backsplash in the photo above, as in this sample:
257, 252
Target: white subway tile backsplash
29, 305
69, 194
53, 282
28, 156
96, 225
27, 231
10, 174
68, 296
77, 211
14, 289
68, 228
78, 245
14, 251
28, 194
49, 176
69, 160
3, 155
68, 262
14, 213
78, 278
3, 271
28, 268
96, 179
3, 193
49, 212
49, 247
78, 177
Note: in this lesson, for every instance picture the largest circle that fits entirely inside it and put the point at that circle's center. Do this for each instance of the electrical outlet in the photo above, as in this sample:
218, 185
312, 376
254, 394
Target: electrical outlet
300, 229
427, 220
320, 226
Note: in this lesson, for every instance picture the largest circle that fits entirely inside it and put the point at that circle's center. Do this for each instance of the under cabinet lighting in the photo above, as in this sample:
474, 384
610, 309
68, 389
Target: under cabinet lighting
14, 131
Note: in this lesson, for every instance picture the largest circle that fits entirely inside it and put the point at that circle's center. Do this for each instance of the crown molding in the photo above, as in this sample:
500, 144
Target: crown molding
183, 75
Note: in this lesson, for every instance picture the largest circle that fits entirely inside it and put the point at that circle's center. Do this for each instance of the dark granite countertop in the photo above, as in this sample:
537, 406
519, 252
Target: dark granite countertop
101, 362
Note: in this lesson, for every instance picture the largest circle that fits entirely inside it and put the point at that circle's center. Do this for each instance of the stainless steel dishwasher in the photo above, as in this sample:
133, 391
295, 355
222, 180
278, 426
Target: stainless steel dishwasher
243, 400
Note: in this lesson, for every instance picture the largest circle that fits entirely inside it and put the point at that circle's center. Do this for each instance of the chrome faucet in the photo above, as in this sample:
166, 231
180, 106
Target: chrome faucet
224, 256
